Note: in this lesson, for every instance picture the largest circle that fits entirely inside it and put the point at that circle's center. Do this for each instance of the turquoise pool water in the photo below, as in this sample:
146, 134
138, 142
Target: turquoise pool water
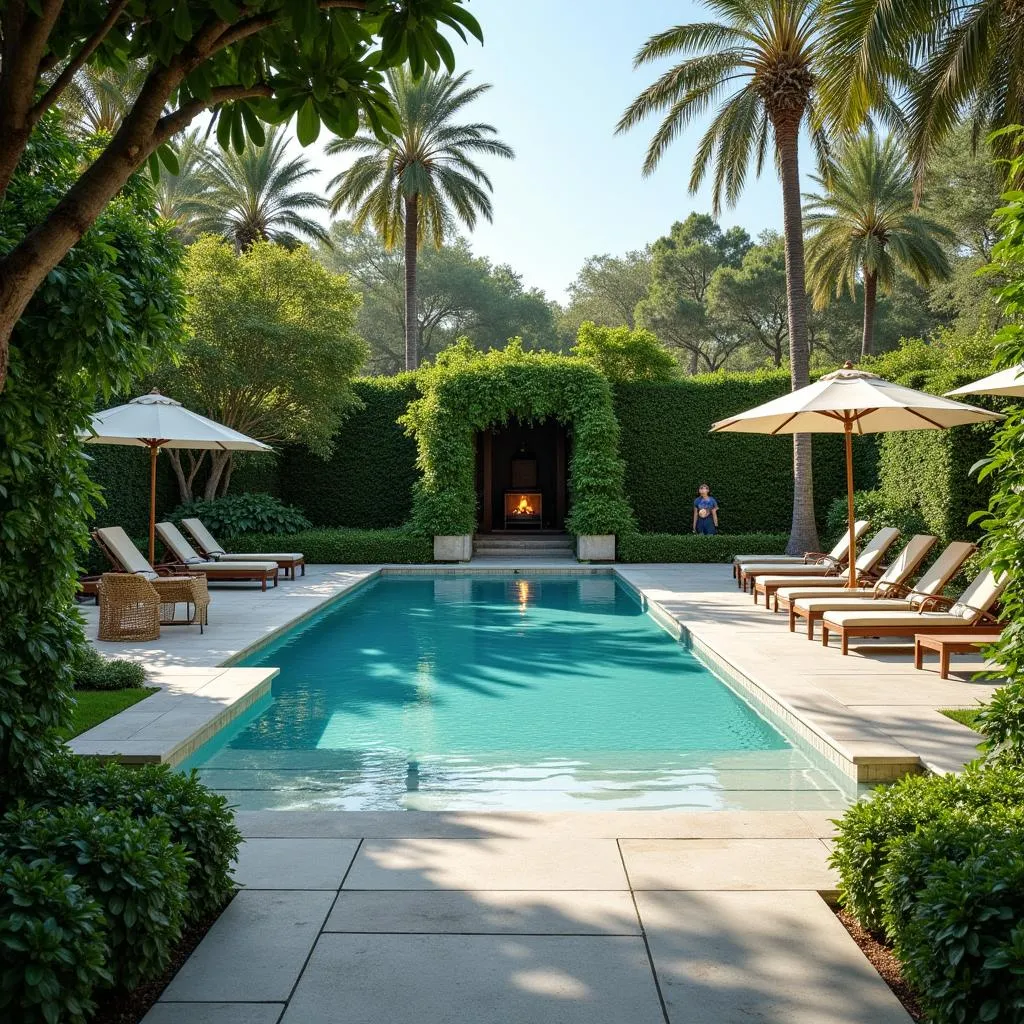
461, 692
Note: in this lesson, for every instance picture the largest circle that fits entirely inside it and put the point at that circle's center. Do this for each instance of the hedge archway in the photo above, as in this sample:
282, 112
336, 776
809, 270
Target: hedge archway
469, 391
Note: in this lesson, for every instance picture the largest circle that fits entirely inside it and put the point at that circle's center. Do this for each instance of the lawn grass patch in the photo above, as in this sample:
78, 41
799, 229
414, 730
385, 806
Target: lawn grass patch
94, 706
965, 716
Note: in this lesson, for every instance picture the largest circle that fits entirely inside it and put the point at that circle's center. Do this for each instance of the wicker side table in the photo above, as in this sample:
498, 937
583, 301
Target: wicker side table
129, 607
191, 591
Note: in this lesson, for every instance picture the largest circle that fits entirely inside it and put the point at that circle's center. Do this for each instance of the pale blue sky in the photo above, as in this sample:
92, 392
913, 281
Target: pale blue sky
561, 74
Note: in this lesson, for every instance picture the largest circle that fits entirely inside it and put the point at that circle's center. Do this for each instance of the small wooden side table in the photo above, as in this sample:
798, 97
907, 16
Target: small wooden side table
948, 644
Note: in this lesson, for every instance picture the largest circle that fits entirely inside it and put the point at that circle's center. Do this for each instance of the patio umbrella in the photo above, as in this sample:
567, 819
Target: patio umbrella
155, 421
1005, 382
848, 402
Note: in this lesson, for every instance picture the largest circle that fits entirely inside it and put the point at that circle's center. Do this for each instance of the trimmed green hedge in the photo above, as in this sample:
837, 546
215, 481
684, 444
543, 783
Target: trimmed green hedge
343, 546
690, 547
668, 452
368, 481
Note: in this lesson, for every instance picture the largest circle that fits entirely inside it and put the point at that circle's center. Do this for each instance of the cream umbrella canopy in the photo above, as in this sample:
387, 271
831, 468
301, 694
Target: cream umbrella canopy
155, 421
848, 402
1005, 382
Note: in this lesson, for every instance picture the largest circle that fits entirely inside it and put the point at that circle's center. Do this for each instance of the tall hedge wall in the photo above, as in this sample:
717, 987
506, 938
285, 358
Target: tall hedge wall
368, 480
669, 452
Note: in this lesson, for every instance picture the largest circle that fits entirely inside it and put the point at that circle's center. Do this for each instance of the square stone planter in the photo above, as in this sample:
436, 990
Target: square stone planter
595, 547
454, 548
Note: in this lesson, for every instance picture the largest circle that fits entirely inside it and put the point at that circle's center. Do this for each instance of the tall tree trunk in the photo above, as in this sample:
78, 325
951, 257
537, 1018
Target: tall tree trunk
185, 477
867, 343
694, 354
218, 463
803, 535
225, 480
412, 326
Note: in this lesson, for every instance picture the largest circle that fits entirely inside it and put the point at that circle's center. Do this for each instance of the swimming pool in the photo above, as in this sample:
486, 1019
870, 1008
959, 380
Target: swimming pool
501, 692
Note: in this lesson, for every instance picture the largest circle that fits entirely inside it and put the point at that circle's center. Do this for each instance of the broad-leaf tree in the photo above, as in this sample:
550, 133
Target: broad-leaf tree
758, 65
256, 195
607, 290
263, 61
622, 354
415, 181
271, 349
863, 226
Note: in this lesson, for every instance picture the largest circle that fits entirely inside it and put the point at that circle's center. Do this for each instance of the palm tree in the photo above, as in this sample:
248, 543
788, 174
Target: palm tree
863, 225
97, 98
768, 52
252, 195
954, 60
415, 183
176, 194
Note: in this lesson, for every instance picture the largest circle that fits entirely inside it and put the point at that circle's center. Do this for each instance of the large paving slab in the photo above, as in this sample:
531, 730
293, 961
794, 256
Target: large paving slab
214, 1013
255, 951
515, 912
487, 864
294, 863
711, 864
451, 979
771, 957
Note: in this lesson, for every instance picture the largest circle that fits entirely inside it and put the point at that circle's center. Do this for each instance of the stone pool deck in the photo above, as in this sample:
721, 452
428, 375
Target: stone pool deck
622, 918
578, 918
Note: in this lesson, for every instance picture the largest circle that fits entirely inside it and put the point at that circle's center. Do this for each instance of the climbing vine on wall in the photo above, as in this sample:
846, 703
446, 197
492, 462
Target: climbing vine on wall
469, 391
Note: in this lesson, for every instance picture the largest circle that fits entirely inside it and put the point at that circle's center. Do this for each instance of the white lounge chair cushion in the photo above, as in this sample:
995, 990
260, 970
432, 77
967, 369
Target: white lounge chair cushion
916, 622
769, 558
853, 604
781, 575
184, 552
126, 552
261, 556
836, 592
215, 567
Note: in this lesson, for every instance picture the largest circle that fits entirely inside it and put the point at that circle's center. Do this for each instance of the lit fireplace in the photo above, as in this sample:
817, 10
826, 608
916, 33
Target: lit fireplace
523, 508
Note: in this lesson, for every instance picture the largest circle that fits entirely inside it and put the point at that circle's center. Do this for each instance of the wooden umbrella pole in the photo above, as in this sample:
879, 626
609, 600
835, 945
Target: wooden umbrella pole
154, 449
848, 433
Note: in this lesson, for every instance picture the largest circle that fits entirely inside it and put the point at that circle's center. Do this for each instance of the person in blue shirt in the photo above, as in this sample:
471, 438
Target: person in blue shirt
705, 512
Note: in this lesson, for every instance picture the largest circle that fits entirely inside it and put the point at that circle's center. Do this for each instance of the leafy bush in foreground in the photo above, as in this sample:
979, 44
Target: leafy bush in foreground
130, 867
94, 672
954, 909
196, 818
689, 547
354, 547
52, 945
869, 828
235, 514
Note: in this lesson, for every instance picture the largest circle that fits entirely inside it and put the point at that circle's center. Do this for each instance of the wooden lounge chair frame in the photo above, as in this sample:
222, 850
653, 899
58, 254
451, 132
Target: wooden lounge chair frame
230, 571
807, 558
216, 554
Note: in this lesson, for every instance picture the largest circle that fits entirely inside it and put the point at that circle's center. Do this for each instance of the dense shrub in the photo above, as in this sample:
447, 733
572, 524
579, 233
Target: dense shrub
235, 514
368, 479
353, 547
878, 509
869, 828
668, 452
130, 866
689, 547
94, 672
468, 391
100, 318
52, 945
1002, 720
953, 893
197, 819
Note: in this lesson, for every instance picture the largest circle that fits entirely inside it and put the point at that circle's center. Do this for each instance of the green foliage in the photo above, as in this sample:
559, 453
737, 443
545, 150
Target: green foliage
93, 672
954, 909
129, 866
235, 514
52, 946
90, 707
197, 820
1002, 719
458, 295
467, 391
368, 479
621, 354
869, 828
350, 547
689, 547
875, 507
606, 291
668, 452
109, 309
272, 346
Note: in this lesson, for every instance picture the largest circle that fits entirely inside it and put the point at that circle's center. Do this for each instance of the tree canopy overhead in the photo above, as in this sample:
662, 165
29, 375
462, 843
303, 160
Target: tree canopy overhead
259, 62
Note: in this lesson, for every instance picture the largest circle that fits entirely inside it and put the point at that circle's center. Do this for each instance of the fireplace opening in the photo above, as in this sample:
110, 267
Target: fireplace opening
523, 509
